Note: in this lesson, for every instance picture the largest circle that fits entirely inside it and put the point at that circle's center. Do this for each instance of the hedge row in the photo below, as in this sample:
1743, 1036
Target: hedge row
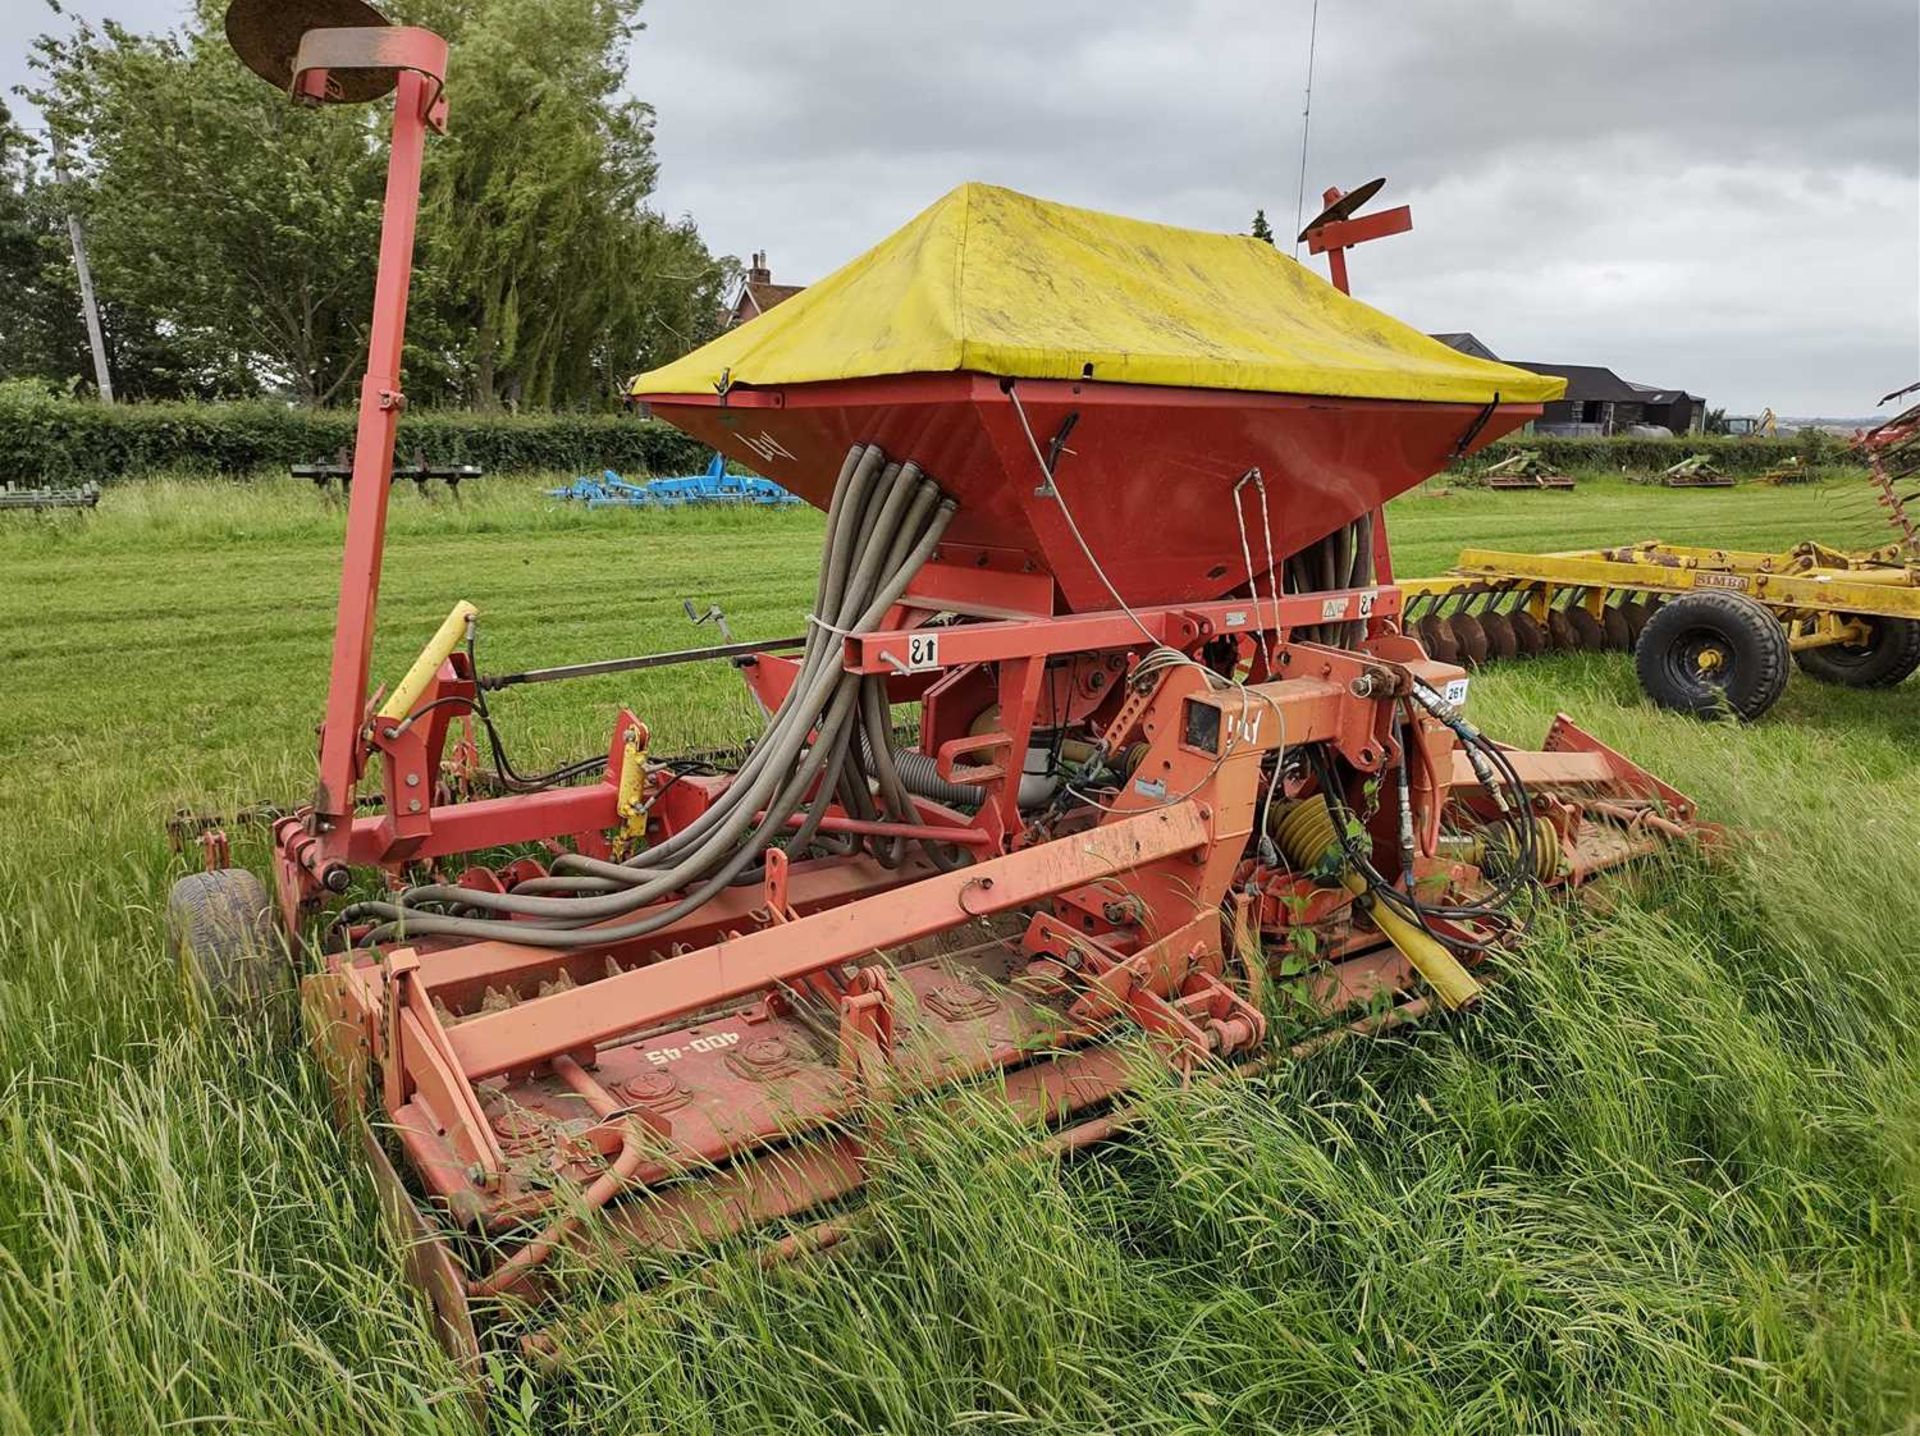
63, 441
1645, 456
44, 439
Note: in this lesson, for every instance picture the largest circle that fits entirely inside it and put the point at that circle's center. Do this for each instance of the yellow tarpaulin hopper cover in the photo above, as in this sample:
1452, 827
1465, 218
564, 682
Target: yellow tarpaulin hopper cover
996, 282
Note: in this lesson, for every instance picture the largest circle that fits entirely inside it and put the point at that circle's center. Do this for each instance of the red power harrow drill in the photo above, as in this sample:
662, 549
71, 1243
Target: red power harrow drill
1165, 723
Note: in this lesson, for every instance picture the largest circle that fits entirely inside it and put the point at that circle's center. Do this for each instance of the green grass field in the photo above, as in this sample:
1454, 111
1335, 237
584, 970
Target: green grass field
1668, 1180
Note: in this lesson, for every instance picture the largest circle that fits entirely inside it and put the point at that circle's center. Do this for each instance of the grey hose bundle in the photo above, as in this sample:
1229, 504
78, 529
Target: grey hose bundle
1343, 559
830, 739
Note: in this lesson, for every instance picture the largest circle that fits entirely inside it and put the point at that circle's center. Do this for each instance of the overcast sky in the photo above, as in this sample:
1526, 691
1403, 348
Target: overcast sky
1720, 195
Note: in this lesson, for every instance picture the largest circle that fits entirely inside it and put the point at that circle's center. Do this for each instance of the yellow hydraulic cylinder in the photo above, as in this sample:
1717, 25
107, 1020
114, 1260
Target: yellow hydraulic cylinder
407, 692
631, 802
1451, 983
1305, 831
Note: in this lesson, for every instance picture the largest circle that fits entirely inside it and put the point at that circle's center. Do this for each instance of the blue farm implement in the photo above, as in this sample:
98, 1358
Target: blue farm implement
715, 486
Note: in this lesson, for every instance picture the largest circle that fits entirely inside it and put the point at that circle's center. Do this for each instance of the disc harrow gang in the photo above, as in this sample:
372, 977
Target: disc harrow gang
1475, 623
1727, 624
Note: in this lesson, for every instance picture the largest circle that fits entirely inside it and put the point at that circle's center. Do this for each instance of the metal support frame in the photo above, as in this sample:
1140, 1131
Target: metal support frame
1334, 238
1122, 919
421, 57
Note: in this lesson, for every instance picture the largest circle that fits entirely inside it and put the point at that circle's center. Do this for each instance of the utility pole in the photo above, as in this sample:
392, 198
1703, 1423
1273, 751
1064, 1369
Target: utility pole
89, 306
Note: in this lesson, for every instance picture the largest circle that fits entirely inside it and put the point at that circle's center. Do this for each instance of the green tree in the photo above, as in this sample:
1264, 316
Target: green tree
239, 230
40, 334
553, 269
1261, 229
243, 224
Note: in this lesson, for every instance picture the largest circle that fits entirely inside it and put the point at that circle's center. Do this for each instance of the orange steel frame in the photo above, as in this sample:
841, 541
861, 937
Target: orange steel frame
317, 847
1123, 920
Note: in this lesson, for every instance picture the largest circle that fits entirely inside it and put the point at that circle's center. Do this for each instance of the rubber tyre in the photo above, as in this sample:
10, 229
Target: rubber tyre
1750, 645
1891, 655
222, 924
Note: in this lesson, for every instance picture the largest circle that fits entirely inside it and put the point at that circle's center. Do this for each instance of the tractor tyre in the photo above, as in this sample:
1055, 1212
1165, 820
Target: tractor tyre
222, 925
1710, 653
1889, 656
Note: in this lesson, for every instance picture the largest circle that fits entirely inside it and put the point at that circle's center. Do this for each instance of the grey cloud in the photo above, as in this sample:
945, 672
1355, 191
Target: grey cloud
1721, 195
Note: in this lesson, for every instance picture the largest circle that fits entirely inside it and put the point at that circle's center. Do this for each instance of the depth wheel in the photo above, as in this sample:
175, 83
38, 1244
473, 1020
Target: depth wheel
1708, 653
1889, 656
222, 924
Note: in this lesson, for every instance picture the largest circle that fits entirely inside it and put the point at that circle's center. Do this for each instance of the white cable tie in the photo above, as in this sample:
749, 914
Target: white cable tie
818, 622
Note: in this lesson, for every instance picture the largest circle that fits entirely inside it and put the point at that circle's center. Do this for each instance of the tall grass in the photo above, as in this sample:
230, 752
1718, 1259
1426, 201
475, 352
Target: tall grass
1665, 1181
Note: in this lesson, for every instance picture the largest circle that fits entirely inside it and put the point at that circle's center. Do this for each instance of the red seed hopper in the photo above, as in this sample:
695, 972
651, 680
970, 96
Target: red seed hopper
1103, 698
1148, 368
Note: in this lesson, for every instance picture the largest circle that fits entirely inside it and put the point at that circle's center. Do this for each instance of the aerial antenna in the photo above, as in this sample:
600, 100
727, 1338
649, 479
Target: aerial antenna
1306, 122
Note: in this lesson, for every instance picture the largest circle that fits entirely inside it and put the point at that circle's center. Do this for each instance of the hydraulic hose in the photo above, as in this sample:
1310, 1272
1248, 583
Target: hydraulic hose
826, 740
1307, 834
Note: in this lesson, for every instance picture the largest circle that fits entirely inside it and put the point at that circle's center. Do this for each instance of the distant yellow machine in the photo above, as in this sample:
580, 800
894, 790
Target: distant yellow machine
1711, 630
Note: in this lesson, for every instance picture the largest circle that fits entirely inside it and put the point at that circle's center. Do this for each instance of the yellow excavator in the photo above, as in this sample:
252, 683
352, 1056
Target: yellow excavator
1745, 426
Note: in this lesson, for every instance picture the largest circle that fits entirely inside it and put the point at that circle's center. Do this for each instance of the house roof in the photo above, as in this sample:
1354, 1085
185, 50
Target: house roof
1467, 344
1586, 381
1651, 395
763, 297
